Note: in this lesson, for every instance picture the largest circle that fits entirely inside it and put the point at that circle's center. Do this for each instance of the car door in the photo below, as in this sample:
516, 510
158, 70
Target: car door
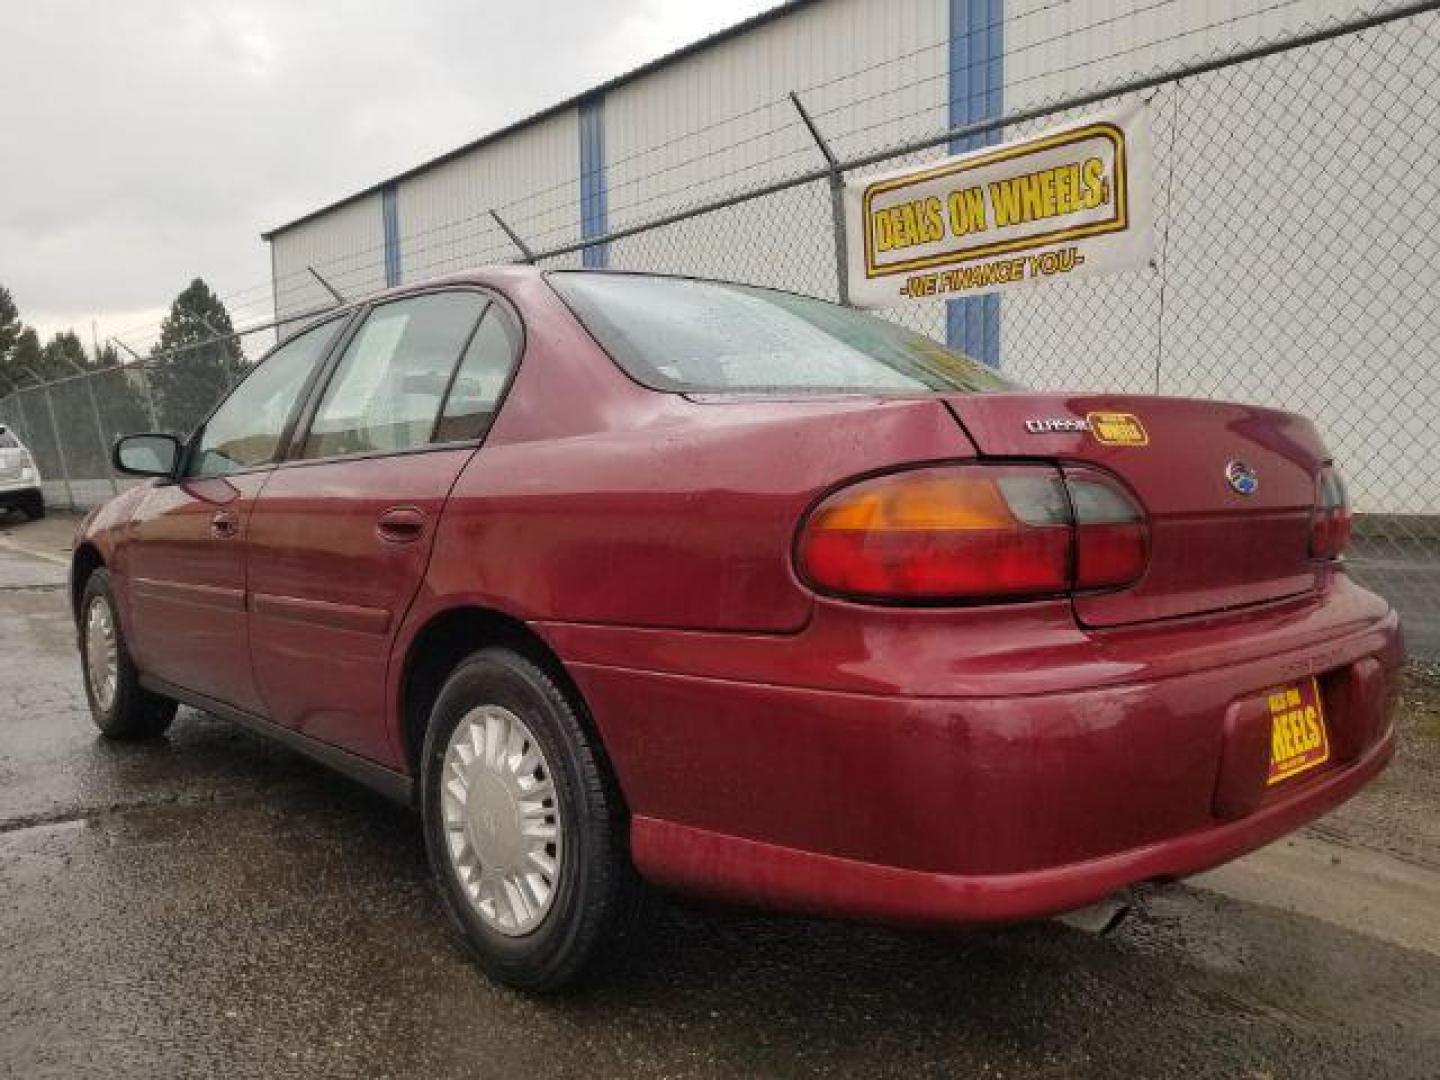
341, 534
184, 557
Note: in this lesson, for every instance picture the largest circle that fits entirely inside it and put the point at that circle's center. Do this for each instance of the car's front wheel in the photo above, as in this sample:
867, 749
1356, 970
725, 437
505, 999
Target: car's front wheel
119, 705
524, 825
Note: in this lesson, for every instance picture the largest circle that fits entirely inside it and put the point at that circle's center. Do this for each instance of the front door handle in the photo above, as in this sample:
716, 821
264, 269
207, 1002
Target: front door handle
401, 525
224, 524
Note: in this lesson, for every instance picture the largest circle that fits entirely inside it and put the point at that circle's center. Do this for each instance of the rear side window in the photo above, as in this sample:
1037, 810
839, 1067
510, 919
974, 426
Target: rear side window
697, 336
481, 379
385, 393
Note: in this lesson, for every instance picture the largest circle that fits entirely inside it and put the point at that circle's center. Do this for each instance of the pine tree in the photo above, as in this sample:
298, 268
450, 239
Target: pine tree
194, 362
10, 326
121, 394
63, 355
25, 358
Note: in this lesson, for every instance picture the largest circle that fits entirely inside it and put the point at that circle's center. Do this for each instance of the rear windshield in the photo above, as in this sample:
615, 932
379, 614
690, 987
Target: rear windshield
707, 336
8, 441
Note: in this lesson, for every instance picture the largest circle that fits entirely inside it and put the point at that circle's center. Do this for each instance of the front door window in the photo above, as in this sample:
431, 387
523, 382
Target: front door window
246, 430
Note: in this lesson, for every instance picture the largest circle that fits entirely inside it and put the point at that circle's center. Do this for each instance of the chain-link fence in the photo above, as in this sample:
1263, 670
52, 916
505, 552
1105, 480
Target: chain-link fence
1297, 238
69, 425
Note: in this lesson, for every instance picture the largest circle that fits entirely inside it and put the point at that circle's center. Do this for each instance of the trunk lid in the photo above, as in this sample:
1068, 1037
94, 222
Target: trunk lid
1213, 546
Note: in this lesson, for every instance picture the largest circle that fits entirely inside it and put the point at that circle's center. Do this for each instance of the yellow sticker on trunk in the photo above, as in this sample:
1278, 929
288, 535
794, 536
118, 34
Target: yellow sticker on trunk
1117, 429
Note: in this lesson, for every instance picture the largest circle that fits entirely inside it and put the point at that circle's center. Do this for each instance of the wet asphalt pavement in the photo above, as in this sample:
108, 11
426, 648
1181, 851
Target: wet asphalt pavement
210, 905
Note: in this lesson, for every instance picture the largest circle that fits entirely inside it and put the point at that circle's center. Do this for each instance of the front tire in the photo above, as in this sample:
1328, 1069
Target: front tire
121, 708
524, 826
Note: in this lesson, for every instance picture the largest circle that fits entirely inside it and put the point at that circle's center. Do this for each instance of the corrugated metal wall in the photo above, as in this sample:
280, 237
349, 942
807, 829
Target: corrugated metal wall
717, 121
438, 220
1054, 52
720, 121
444, 219
346, 244
710, 123
1259, 166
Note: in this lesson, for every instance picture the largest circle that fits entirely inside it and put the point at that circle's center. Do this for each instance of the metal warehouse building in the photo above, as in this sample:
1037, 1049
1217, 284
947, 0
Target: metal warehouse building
1271, 176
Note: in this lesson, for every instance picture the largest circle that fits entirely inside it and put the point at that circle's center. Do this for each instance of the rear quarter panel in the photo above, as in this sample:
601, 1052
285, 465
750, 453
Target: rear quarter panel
687, 521
596, 500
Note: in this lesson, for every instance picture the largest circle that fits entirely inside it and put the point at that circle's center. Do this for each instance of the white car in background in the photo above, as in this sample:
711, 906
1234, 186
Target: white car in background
19, 477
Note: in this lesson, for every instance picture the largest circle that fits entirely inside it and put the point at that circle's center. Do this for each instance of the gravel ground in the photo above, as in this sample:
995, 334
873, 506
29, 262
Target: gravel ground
213, 905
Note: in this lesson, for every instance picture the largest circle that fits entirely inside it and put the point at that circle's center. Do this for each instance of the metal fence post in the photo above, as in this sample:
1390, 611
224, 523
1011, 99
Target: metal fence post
144, 383
55, 434
837, 203
100, 440
149, 397
100, 435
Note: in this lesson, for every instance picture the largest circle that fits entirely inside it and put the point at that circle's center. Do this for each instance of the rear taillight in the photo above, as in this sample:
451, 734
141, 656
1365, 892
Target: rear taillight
1330, 524
974, 532
1112, 541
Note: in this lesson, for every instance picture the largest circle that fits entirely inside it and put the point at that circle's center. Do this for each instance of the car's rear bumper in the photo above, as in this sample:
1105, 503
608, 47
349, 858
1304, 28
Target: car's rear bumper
733, 868
981, 808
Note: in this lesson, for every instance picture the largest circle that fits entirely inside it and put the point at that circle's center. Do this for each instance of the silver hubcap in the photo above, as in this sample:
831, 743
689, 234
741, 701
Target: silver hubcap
502, 819
102, 658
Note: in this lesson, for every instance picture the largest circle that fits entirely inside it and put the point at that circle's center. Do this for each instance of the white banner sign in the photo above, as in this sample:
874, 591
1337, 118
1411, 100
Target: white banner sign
1074, 200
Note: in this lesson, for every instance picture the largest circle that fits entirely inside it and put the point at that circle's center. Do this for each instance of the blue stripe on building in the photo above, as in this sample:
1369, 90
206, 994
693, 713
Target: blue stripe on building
594, 217
977, 82
390, 223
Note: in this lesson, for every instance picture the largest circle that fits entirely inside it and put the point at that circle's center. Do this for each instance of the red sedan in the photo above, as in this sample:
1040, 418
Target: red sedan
624, 577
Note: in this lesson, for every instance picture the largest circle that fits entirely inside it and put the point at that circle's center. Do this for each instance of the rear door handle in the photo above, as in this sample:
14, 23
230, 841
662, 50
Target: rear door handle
224, 524
401, 525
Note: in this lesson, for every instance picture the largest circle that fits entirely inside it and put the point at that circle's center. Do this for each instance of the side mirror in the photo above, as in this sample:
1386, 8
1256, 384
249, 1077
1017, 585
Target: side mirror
152, 454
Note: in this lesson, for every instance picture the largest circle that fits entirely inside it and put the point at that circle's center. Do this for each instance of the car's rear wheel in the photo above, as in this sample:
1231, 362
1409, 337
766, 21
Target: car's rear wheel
524, 826
34, 506
119, 705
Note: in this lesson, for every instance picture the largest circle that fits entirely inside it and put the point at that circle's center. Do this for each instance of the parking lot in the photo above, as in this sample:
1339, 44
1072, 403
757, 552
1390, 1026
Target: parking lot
213, 905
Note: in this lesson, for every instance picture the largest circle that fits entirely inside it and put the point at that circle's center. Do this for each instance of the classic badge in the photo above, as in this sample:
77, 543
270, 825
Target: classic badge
1047, 425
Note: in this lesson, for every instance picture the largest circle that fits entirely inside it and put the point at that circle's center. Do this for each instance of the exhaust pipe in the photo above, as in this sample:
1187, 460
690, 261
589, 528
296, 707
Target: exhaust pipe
1101, 917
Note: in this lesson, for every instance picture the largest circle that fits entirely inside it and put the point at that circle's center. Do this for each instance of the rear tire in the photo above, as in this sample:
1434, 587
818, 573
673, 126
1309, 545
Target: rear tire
34, 507
524, 826
121, 708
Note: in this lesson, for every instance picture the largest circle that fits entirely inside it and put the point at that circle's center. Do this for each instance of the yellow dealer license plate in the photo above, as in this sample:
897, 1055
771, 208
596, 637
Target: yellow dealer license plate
1298, 739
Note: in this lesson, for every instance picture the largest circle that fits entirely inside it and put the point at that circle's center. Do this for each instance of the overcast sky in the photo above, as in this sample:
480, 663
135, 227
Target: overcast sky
146, 143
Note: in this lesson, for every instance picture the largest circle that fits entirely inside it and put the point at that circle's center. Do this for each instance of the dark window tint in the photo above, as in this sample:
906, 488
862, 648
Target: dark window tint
484, 371
245, 431
683, 335
386, 391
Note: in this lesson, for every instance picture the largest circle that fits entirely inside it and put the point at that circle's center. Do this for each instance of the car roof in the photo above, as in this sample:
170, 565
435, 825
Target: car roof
499, 275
